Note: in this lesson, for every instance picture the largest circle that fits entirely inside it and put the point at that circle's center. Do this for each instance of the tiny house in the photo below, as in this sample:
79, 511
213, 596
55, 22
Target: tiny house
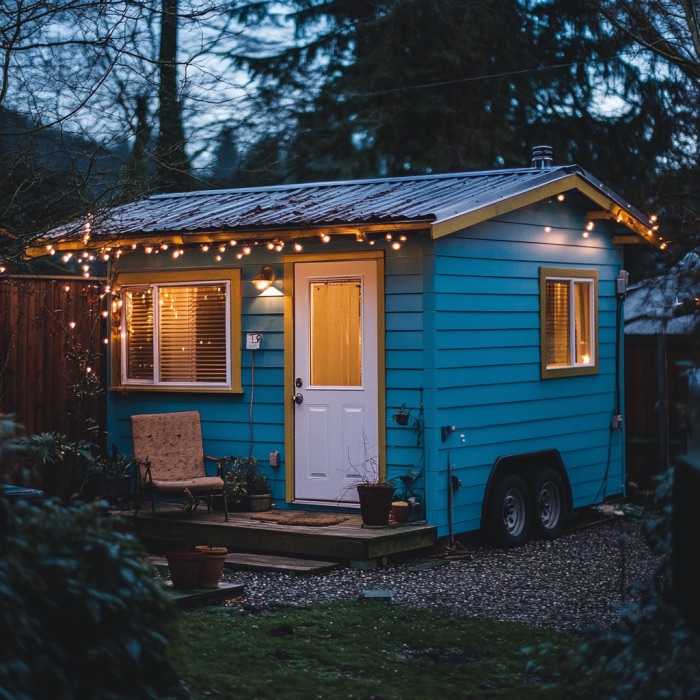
459, 334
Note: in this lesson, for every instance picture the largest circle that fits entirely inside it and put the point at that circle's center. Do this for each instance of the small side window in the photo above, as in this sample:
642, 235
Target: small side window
568, 322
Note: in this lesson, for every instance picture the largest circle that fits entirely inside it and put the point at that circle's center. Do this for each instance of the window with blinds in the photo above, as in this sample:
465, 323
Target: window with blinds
177, 334
568, 300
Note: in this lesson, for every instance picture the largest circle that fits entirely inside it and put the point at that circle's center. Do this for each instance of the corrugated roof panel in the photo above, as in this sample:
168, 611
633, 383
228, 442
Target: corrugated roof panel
390, 200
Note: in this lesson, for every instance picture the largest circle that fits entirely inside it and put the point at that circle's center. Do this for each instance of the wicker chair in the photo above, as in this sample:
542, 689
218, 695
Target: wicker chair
169, 453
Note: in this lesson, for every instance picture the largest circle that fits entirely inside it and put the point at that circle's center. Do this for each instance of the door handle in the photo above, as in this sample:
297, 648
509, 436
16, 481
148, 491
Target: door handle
298, 398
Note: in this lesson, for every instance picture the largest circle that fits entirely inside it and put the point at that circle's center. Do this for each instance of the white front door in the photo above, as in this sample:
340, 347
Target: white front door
335, 378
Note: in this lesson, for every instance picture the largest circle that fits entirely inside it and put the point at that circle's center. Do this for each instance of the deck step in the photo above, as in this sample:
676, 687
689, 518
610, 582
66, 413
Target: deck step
267, 562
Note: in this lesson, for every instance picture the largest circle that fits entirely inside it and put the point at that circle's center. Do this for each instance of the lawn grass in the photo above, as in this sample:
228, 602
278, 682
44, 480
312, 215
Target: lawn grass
364, 649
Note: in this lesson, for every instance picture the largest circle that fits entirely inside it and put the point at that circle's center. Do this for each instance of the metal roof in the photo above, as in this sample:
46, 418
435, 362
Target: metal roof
425, 201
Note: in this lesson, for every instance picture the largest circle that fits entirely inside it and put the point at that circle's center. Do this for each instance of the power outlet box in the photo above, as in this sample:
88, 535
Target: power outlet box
253, 341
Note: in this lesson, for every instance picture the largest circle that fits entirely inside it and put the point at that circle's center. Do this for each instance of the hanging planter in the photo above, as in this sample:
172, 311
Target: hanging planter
185, 568
212, 565
402, 415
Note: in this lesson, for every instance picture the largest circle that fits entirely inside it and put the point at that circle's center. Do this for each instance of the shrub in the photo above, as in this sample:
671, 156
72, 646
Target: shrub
82, 615
650, 652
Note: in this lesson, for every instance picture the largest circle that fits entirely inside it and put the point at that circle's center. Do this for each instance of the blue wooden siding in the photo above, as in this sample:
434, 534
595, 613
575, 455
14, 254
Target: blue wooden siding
487, 359
225, 417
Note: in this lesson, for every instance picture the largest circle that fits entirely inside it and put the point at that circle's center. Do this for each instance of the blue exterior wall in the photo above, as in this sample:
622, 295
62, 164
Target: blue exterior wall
462, 348
226, 425
486, 354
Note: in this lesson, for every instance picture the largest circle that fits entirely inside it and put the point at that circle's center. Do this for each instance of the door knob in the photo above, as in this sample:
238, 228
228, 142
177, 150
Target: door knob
298, 398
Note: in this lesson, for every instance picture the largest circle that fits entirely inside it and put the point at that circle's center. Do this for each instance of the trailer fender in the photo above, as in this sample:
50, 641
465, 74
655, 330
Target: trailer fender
525, 465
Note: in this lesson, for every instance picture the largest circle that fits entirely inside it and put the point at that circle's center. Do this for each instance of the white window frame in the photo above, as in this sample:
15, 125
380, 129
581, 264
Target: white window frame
571, 277
229, 279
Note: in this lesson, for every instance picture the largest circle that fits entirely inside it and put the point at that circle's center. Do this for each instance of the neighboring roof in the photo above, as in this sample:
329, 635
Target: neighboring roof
441, 204
666, 304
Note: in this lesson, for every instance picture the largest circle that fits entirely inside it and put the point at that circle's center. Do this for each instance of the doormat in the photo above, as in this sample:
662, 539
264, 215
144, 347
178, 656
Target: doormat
309, 519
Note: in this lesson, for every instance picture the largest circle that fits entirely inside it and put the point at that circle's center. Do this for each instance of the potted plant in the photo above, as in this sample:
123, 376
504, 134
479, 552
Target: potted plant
400, 510
376, 498
110, 477
374, 493
402, 415
212, 565
58, 465
246, 485
185, 567
258, 487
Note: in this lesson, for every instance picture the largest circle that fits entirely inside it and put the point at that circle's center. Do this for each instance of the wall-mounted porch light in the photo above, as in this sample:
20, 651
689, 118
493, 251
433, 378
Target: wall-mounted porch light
265, 279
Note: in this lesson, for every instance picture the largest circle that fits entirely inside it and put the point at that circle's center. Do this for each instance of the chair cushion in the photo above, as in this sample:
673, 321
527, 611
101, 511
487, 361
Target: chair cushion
203, 484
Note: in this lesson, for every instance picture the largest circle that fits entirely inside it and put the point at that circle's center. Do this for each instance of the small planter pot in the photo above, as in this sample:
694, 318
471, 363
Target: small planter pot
185, 569
259, 502
375, 504
400, 510
402, 418
108, 489
212, 565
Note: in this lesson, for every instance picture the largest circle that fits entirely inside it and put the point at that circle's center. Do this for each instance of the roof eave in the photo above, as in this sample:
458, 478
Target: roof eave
359, 231
576, 179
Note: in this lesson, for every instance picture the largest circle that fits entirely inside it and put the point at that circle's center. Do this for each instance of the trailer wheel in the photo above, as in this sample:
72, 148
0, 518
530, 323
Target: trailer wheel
509, 512
549, 503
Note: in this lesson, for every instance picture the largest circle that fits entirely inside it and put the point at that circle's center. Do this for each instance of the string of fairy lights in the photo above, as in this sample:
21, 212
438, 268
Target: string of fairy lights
109, 253
217, 246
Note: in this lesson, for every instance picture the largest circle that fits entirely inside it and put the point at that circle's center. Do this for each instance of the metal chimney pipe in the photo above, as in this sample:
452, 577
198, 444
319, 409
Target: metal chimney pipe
541, 157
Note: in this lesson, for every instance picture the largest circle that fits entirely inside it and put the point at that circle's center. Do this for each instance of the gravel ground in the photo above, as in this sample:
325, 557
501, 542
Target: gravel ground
571, 583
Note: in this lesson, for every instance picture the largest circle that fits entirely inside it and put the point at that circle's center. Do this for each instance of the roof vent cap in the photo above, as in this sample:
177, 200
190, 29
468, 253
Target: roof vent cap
541, 157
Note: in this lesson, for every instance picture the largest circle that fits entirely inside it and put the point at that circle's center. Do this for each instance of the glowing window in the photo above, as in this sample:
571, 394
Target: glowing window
568, 301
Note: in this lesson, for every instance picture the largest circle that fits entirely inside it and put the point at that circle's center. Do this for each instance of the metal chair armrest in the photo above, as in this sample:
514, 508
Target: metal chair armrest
220, 463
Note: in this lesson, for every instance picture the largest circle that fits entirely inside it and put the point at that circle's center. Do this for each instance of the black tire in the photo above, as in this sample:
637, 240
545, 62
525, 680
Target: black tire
509, 513
549, 504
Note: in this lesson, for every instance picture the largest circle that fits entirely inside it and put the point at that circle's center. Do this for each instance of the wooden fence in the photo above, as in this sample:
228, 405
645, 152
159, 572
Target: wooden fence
52, 357
656, 402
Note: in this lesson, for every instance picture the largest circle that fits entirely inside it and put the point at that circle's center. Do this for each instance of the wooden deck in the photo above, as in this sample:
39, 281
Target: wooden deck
346, 541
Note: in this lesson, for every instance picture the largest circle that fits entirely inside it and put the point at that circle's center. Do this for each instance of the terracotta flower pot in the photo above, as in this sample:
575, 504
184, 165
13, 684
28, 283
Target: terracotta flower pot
185, 568
212, 565
400, 511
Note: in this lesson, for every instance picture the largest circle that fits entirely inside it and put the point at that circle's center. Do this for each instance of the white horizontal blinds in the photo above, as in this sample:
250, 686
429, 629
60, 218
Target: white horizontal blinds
583, 328
336, 333
557, 312
192, 334
139, 333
